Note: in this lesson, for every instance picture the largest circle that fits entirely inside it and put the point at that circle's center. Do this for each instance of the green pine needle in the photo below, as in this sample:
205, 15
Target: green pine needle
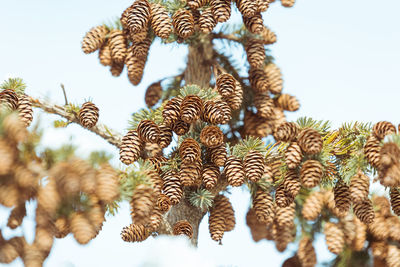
321, 126
201, 199
145, 114
16, 84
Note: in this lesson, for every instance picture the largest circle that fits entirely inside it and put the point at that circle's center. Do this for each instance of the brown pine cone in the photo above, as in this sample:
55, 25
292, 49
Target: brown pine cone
268, 37
235, 100
221, 10
210, 175
313, 206
334, 238
211, 136
155, 220
88, 115
163, 203
189, 151
153, 94
107, 184
180, 127
263, 206
262, 5
165, 135
138, 37
255, 53
395, 200
258, 80
141, 49
292, 183
130, 148
11, 249
142, 204
359, 187
137, 16
258, 230
306, 253
254, 165
155, 181
310, 141
17, 215
218, 155
282, 236
183, 228
293, 155
135, 66
264, 104
190, 173
212, 113
382, 206
285, 216
148, 131
223, 106
25, 110
191, 108
62, 227
364, 211
383, 128
234, 171
372, 149
287, 102
342, 196
389, 155
195, 4
393, 256
172, 187
160, 21
134, 233
248, 8
254, 24
224, 206
287, 3
379, 228
287, 132
379, 250
216, 224
118, 46
9, 99
171, 111
225, 84
207, 21
81, 228
282, 197
116, 68
294, 260
360, 235
183, 23
94, 39
394, 227
311, 173
274, 77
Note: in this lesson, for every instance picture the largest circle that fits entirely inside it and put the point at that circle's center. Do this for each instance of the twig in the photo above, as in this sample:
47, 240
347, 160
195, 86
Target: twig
111, 136
229, 37
65, 94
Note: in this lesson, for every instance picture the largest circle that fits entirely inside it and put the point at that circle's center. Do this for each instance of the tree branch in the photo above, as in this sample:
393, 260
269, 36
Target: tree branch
229, 37
111, 136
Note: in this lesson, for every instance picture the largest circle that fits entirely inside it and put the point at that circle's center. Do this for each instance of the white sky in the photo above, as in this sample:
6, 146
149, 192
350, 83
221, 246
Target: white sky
340, 58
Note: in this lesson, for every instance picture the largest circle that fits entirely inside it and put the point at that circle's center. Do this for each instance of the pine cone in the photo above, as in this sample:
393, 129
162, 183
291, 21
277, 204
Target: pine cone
393, 256
211, 136
258, 81
172, 187
130, 148
254, 24
160, 21
334, 238
223, 106
294, 260
134, 233
207, 21
379, 250
137, 16
383, 128
94, 39
165, 135
62, 227
10, 249
248, 8
293, 155
218, 155
382, 206
342, 196
210, 175
313, 206
183, 23
88, 115
395, 200
274, 77
285, 216
155, 220
287, 102
225, 84
389, 155
292, 183
142, 204
191, 108
116, 69
282, 197
262, 5
17, 215
105, 55
135, 66
287, 132
268, 37
264, 104
287, 3
311, 173
212, 113
255, 53
364, 211
306, 253
190, 173
234, 171
171, 111
224, 206
141, 49
9, 99
118, 45
189, 151
216, 224
221, 10
263, 206
25, 109
254, 165
180, 127
81, 228
394, 227
310, 141
258, 230
163, 203
359, 187
107, 185
360, 235
183, 228
153, 94
282, 236
148, 131
138, 37
372, 149
379, 228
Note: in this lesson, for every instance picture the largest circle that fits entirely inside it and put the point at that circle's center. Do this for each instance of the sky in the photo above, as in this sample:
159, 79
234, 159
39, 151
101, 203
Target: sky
341, 59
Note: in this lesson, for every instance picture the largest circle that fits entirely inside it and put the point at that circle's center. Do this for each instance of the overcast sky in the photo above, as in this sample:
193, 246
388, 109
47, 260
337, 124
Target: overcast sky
340, 58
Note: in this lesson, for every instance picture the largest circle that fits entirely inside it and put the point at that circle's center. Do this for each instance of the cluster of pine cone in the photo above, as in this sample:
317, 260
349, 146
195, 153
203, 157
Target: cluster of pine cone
22, 103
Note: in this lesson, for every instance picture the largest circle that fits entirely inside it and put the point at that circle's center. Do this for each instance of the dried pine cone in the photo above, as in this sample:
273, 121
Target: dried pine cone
223, 106
190, 173
284, 216
160, 21
130, 148
137, 16
287, 3
254, 24
313, 206
248, 8
189, 151
171, 111
191, 108
306, 253
282, 197
183, 228
264, 104
141, 49
263, 206
311, 173
172, 187
165, 135
180, 127
207, 21
216, 224
9, 99
383, 128
17, 215
255, 53
225, 84
359, 187
183, 23
88, 115
395, 200
153, 94
379, 228
118, 45
268, 37
364, 211
342, 197
234, 171
310, 141
274, 77
254, 165
116, 68
107, 185
286, 132
372, 149
81, 228
148, 131
223, 204
62, 227
292, 183
257, 229
334, 238
282, 236
258, 81
287, 102
142, 204
135, 66
218, 155
293, 155
221, 10
393, 256
25, 109
211, 136
163, 203
210, 175
105, 55
94, 39
212, 113
134, 233
262, 5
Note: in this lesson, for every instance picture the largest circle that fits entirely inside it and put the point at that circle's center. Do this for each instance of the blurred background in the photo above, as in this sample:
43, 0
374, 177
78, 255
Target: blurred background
341, 59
